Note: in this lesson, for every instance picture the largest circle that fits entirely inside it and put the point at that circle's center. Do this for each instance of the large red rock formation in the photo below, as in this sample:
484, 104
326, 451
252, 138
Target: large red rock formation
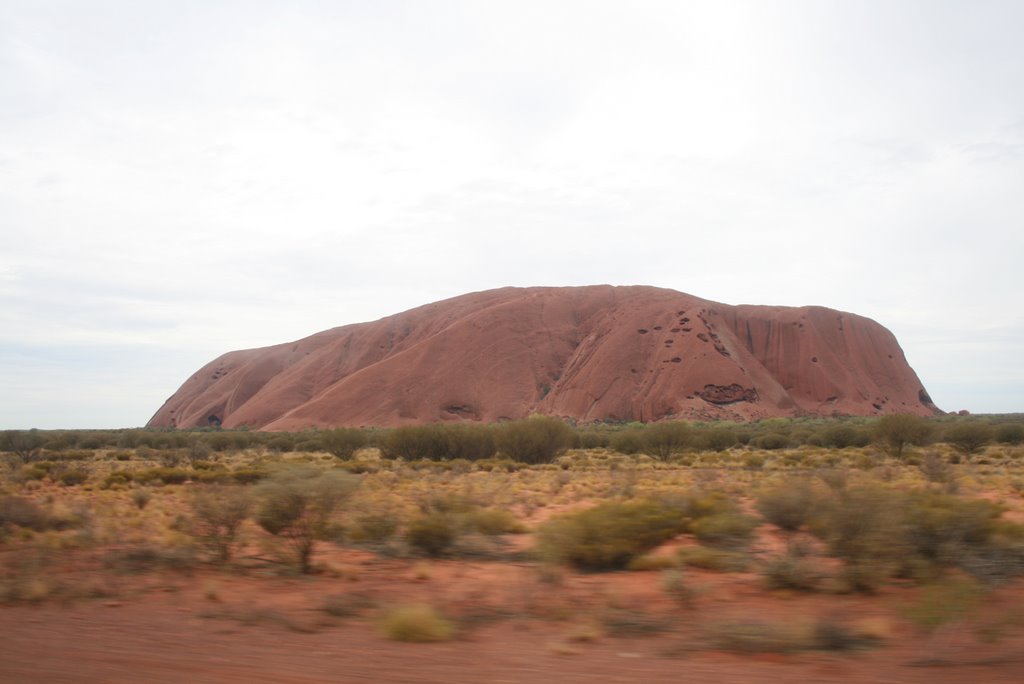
589, 353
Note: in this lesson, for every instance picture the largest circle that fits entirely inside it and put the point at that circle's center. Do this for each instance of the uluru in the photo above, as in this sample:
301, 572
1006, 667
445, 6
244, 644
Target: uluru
594, 353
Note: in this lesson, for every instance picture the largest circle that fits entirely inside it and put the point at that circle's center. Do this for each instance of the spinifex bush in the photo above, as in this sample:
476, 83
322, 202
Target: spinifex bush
609, 535
297, 503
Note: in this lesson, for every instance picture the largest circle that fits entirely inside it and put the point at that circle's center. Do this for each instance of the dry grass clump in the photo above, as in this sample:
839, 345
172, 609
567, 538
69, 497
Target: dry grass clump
416, 623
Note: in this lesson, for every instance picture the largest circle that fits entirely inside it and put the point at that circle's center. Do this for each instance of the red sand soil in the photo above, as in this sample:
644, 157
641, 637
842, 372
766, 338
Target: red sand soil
589, 353
264, 629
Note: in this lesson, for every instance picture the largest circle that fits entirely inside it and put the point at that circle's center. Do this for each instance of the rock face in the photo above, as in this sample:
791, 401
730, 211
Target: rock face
590, 353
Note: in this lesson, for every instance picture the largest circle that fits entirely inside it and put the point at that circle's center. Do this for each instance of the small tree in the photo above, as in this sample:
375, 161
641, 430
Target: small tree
219, 512
24, 444
897, 431
968, 438
297, 503
343, 442
664, 439
537, 439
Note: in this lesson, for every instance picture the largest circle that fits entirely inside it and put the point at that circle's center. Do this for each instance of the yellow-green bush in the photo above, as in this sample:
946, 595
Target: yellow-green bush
610, 535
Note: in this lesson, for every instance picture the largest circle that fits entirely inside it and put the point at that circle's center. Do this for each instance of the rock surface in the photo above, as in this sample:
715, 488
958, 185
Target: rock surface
590, 353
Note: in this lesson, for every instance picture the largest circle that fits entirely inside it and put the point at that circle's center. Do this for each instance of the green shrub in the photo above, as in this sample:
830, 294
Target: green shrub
373, 528
844, 436
24, 445
343, 442
433, 534
771, 442
537, 439
141, 497
72, 477
725, 530
609, 535
416, 623
709, 558
162, 475
1010, 433
717, 439
790, 570
281, 443
665, 439
297, 503
592, 439
218, 513
628, 441
493, 521
652, 561
968, 437
788, 505
897, 431
16, 510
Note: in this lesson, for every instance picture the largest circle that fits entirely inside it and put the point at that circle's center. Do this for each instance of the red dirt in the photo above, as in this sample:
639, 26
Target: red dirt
589, 353
269, 630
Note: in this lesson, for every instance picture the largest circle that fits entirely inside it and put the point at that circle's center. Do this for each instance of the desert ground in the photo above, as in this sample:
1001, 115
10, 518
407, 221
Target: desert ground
140, 564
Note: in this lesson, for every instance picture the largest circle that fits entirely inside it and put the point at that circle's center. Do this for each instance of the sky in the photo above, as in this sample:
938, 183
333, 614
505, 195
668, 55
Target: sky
182, 179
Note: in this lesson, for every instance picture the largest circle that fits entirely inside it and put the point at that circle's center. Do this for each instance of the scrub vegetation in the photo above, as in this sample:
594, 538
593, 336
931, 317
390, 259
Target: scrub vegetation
556, 517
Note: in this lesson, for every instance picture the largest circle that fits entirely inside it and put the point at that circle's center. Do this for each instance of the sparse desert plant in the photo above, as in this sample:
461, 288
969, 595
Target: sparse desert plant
665, 439
771, 441
373, 528
537, 439
492, 521
218, 513
673, 583
22, 512
789, 504
943, 602
343, 442
609, 535
141, 497
629, 441
844, 436
729, 529
936, 469
898, 431
653, 561
791, 570
866, 527
297, 503
1010, 433
710, 558
25, 445
968, 437
716, 439
433, 533
416, 623
73, 476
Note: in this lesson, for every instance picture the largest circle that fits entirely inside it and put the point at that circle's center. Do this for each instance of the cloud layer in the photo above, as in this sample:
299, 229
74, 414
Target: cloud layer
178, 182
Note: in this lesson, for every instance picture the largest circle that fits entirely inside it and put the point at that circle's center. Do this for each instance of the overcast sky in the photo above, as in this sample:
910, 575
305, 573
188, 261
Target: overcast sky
180, 179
